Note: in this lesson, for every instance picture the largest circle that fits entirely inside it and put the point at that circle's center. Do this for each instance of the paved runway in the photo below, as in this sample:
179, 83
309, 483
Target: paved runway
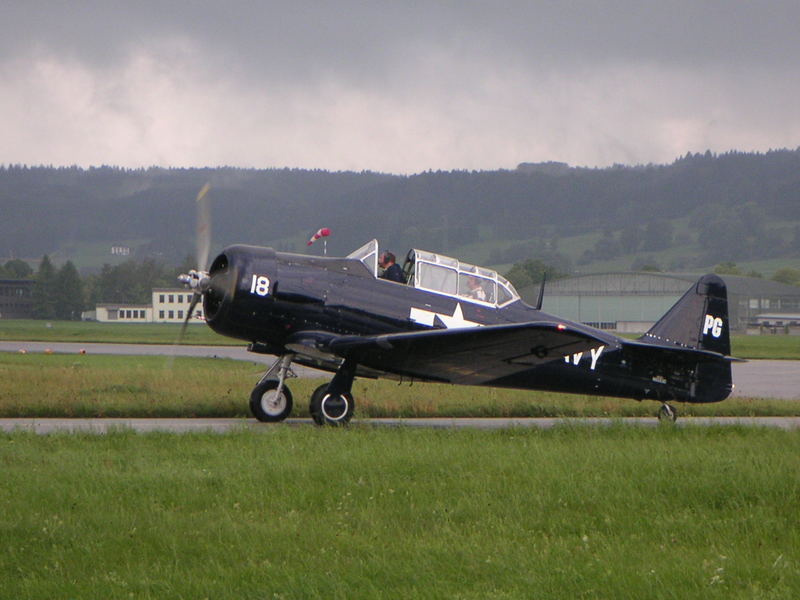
100, 426
753, 379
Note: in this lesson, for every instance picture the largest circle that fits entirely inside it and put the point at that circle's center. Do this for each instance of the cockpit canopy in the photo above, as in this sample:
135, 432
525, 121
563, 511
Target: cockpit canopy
444, 275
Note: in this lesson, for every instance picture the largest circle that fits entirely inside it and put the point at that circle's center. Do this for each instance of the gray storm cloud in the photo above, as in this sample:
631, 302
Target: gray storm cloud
394, 87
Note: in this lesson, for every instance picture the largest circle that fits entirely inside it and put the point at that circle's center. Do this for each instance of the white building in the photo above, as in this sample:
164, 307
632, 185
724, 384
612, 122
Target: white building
124, 313
169, 305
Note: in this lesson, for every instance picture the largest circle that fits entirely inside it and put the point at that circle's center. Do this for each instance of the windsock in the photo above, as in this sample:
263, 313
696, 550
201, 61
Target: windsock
322, 232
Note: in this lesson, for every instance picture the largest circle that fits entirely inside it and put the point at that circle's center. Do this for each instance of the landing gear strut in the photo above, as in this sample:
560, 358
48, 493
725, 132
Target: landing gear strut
332, 403
271, 399
667, 413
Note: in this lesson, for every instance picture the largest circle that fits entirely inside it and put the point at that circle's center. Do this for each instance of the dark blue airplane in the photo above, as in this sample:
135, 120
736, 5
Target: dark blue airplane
449, 322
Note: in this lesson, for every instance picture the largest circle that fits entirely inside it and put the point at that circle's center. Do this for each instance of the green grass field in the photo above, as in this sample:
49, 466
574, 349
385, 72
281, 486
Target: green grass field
121, 333
364, 513
782, 347
61, 385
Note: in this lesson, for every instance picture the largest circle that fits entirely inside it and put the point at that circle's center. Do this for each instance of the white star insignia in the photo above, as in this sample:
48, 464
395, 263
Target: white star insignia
454, 321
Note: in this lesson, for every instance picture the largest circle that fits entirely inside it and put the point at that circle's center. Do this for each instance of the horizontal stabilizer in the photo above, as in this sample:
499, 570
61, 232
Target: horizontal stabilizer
672, 352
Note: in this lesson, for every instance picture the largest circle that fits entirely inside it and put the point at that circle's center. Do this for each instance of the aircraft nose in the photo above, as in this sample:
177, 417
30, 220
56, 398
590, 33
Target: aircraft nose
220, 286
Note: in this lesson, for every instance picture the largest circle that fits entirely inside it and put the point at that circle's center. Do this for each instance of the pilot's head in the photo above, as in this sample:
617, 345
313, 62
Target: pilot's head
387, 260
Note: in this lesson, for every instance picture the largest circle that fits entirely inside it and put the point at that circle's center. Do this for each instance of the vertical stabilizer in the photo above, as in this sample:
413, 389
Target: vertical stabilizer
698, 320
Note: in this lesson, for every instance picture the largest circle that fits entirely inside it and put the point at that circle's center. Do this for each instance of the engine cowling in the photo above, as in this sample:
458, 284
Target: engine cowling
237, 300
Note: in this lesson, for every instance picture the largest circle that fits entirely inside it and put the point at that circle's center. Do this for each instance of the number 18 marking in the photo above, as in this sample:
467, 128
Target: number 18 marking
259, 285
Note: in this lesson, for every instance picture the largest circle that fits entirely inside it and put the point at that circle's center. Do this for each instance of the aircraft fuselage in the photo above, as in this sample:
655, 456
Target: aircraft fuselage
280, 301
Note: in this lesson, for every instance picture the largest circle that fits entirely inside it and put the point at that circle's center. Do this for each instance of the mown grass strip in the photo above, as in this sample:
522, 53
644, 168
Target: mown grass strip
363, 513
37, 385
112, 333
777, 347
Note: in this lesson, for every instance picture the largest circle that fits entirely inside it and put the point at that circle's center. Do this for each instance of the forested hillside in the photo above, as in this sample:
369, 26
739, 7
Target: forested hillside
700, 210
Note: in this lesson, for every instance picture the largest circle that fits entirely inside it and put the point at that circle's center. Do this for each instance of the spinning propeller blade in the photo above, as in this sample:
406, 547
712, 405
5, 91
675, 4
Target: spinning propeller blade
197, 279
203, 239
195, 299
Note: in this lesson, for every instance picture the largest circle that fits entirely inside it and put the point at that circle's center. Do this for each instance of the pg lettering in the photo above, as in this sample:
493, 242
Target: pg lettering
714, 324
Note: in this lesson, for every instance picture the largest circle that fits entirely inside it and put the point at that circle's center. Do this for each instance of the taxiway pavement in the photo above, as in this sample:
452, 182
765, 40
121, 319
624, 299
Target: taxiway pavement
103, 426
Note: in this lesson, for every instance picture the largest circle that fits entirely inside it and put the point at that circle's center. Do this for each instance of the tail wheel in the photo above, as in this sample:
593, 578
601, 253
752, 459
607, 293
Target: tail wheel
667, 413
331, 409
269, 406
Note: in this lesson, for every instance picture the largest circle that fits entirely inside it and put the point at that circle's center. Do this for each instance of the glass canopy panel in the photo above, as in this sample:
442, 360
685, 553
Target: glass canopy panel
510, 288
472, 287
429, 256
503, 295
437, 278
368, 254
447, 275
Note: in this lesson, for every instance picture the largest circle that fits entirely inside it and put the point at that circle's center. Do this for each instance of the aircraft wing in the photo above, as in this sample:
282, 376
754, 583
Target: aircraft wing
472, 355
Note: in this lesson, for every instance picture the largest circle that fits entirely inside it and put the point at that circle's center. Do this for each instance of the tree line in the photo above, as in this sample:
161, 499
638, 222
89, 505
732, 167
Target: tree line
61, 293
739, 206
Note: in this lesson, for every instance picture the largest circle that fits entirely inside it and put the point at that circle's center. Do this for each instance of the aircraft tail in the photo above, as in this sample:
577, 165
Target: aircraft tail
698, 320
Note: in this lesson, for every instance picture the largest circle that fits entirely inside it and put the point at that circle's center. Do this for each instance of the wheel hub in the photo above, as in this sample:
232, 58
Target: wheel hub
334, 408
272, 402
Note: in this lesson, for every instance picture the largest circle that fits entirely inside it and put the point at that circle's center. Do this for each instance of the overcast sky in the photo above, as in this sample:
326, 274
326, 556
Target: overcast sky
399, 87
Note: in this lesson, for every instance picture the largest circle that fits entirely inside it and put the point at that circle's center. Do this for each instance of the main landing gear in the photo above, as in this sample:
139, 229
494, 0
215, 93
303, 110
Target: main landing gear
667, 413
331, 403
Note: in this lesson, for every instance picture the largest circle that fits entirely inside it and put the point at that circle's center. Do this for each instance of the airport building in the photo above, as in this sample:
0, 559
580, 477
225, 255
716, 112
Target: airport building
633, 302
123, 313
16, 298
168, 305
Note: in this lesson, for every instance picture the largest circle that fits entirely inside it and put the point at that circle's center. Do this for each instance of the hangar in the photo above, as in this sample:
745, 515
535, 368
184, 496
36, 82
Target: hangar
632, 301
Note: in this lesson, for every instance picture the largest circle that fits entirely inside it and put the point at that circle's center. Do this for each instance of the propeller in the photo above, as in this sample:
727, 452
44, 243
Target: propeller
197, 279
203, 231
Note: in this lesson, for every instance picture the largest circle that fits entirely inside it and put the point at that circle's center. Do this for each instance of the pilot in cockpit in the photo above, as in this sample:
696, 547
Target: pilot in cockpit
475, 290
391, 270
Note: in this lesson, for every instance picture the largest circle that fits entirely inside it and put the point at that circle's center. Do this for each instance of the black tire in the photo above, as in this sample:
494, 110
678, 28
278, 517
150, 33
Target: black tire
316, 397
266, 407
667, 413
328, 409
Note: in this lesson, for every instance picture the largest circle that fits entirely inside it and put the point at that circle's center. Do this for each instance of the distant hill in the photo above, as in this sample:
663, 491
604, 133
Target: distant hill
699, 210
